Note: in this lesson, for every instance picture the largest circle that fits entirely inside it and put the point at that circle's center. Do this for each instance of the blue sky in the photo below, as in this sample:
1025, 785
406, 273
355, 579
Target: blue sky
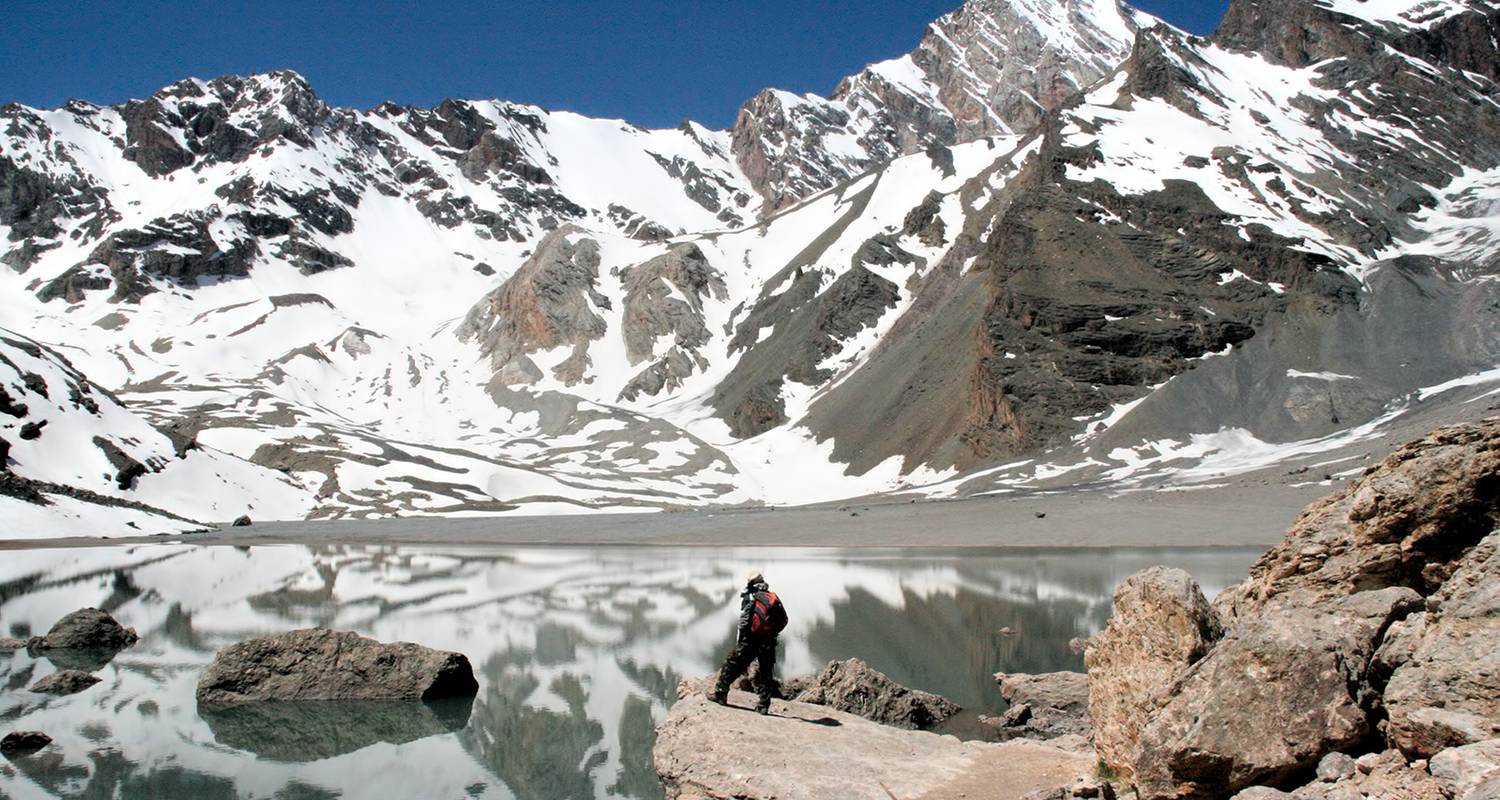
653, 62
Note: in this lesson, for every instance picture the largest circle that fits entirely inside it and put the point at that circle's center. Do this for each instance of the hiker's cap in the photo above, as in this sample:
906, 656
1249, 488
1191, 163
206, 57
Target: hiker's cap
753, 576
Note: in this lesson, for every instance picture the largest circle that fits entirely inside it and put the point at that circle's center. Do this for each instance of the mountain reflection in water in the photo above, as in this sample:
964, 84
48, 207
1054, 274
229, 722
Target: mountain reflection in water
578, 652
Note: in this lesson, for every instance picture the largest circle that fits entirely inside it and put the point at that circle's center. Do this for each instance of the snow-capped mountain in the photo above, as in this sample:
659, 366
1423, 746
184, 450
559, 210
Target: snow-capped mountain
1057, 242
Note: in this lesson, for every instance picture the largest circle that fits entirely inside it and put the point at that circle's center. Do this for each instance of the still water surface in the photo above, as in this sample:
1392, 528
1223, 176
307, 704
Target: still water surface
577, 650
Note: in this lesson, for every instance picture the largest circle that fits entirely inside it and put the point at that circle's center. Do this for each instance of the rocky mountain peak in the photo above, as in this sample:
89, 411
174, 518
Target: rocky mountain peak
991, 67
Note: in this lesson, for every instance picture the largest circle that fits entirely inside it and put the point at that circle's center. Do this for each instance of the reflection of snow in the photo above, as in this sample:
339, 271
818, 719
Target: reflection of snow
544, 619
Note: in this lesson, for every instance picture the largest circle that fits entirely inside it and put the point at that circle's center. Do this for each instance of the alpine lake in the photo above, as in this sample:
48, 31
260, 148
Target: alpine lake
578, 652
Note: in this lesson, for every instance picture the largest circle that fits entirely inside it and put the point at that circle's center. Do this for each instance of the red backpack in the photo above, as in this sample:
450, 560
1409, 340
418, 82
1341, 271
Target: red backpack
769, 616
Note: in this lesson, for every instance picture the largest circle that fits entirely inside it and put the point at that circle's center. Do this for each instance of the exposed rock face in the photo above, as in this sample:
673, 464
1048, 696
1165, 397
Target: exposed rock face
320, 664
550, 302
854, 687
23, 743
1045, 706
664, 298
66, 681
1161, 625
87, 628
705, 751
990, 67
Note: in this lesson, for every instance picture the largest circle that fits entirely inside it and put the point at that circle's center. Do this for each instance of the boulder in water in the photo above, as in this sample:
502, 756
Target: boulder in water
85, 629
66, 681
321, 664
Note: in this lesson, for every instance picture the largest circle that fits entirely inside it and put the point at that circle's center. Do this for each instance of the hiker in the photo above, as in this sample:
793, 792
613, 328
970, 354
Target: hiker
762, 618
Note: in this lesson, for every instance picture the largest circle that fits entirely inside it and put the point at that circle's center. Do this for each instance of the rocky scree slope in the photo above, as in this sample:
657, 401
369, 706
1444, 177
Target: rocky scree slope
1221, 251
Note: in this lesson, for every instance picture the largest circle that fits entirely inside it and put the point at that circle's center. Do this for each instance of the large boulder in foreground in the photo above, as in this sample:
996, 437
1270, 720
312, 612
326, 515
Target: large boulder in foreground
1444, 690
1162, 624
1279, 691
320, 664
1379, 601
85, 629
855, 687
1045, 705
705, 751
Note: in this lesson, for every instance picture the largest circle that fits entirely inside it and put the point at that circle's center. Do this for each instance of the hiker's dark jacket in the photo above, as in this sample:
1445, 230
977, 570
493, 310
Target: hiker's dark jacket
747, 609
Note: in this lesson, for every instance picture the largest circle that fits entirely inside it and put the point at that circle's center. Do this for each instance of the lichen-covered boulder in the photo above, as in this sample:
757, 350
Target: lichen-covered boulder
321, 664
1161, 625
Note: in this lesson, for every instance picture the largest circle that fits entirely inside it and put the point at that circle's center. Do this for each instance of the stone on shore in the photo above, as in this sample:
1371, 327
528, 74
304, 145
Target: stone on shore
857, 688
67, 681
1044, 706
23, 743
1161, 625
705, 751
87, 628
321, 664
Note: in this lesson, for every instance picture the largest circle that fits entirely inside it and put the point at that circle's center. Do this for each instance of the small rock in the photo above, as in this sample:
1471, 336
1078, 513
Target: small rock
1007, 631
243, 521
1366, 763
8, 644
33, 430
67, 681
23, 743
1335, 767
1261, 793
1041, 515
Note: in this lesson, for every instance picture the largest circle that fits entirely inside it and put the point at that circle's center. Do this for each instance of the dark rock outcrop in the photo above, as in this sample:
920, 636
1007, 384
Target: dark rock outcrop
66, 681
320, 664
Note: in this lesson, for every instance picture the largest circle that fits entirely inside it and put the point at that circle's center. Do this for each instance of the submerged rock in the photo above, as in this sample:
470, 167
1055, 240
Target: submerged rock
313, 730
88, 628
857, 688
1161, 625
320, 664
67, 681
1044, 706
705, 751
23, 743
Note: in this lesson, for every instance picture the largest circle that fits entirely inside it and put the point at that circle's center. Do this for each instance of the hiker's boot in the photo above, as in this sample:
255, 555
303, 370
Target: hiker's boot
763, 708
716, 696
